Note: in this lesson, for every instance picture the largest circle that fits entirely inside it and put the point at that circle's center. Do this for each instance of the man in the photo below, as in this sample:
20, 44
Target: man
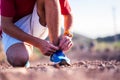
25, 24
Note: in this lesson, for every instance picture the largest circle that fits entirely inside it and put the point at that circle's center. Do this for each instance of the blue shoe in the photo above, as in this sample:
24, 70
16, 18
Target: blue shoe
59, 57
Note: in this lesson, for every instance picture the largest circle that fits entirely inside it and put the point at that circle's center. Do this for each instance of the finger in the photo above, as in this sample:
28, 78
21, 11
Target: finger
62, 42
68, 47
49, 51
52, 51
54, 48
48, 54
65, 45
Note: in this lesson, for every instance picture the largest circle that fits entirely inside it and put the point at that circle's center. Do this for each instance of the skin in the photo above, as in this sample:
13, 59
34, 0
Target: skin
48, 11
51, 18
65, 41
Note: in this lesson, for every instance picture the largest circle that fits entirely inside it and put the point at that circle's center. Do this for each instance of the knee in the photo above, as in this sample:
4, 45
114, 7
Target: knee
17, 60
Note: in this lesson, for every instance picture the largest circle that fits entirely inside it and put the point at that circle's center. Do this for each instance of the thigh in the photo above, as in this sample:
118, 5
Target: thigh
38, 30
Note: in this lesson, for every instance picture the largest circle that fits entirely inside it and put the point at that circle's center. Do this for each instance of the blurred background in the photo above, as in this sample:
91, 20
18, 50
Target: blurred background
96, 31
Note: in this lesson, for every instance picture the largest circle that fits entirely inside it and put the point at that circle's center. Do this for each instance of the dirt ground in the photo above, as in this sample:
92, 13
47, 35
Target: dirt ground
84, 66
79, 70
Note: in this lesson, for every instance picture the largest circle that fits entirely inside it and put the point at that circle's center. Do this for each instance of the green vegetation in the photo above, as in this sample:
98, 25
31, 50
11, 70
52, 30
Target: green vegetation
110, 45
117, 44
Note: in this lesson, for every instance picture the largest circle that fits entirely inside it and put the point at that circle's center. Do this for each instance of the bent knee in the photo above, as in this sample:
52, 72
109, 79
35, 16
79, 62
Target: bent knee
17, 61
17, 55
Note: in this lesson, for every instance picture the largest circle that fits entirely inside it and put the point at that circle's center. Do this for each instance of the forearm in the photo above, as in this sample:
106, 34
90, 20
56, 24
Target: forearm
66, 40
9, 28
52, 9
68, 22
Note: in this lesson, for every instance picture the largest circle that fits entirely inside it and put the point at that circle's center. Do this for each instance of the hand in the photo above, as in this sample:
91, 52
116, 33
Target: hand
65, 43
47, 48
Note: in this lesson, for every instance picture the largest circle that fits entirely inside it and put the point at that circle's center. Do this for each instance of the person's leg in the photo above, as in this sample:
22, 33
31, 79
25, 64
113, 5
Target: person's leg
49, 13
17, 51
38, 29
18, 54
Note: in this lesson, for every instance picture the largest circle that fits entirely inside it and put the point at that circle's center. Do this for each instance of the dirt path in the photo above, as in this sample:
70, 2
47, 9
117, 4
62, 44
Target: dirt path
82, 70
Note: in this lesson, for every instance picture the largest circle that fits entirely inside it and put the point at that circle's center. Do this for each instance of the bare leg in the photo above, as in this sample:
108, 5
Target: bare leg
18, 54
52, 9
49, 12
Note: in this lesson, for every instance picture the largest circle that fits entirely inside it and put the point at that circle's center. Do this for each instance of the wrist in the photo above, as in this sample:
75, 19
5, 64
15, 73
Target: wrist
68, 33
